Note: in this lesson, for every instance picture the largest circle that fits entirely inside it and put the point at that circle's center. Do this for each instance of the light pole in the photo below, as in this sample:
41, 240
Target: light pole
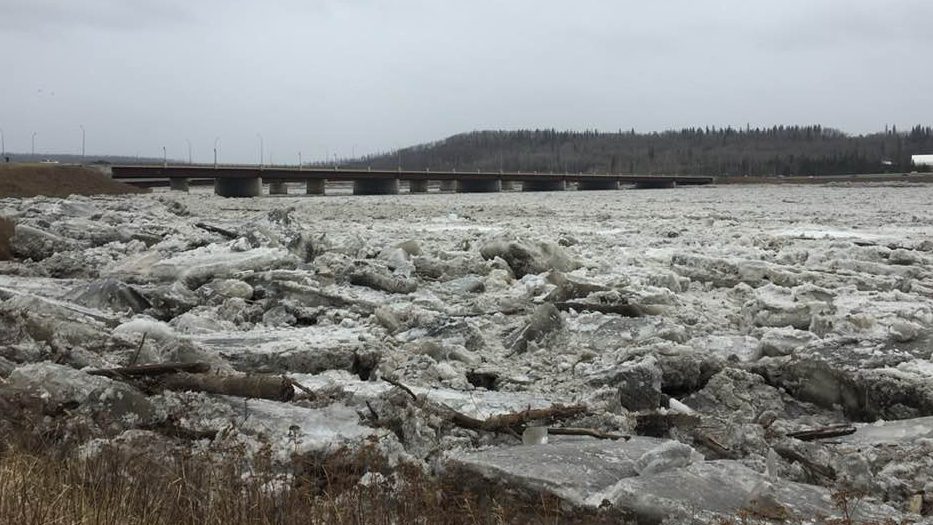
164, 158
261, 159
82, 140
299, 161
2, 145
216, 144
189, 150
34, 133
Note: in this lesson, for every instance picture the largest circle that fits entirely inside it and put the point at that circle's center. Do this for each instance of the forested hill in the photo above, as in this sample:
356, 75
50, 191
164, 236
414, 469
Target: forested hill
781, 150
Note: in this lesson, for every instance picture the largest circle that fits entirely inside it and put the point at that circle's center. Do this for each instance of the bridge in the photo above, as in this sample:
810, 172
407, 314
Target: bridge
247, 181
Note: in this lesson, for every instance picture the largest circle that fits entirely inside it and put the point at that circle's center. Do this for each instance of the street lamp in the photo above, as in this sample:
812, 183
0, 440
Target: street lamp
82, 140
261, 146
34, 133
189, 150
164, 158
2, 145
216, 144
299, 161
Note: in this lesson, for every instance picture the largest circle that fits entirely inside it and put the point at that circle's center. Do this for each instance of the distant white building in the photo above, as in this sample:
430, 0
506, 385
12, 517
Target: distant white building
922, 160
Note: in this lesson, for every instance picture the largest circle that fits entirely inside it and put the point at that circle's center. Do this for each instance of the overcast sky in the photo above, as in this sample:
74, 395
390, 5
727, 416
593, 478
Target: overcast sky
360, 76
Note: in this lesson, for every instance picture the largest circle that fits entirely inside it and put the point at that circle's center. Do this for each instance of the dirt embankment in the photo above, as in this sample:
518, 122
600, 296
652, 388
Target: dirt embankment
29, 180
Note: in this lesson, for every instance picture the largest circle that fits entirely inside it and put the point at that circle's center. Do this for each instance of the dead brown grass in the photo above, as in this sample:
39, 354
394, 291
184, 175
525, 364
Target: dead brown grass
7, 228
122, 488
29, 180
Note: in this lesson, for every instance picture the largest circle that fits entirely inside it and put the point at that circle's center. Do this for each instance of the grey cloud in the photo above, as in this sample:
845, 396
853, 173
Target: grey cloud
357, 76
48, 17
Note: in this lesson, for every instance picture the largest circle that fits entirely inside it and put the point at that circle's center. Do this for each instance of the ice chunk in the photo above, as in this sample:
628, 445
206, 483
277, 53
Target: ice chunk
59, 385
783, 341
525, 257
143, 324
666, 456
219, 261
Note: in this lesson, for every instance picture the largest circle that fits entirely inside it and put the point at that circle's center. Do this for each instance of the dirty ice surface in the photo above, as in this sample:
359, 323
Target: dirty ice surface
712, 323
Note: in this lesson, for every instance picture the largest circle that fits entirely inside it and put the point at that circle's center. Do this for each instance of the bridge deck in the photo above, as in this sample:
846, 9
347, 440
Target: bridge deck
354, 174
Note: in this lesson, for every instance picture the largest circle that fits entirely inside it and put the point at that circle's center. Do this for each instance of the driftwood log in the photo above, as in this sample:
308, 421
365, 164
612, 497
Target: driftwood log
591, 432
385, 282
276, 388
218, 230
823, 433
195, 377
151, 370
623, 309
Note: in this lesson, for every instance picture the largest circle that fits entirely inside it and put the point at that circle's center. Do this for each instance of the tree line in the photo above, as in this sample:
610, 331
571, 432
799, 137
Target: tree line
775, 151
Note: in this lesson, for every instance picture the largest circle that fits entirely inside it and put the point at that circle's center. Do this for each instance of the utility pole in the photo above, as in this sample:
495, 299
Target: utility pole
34, 133
82, 140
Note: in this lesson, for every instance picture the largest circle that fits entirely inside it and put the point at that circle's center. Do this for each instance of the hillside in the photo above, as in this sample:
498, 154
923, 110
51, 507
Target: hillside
781, 150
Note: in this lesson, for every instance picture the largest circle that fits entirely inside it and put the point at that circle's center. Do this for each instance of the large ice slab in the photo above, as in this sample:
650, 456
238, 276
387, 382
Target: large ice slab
891, 432
595, 474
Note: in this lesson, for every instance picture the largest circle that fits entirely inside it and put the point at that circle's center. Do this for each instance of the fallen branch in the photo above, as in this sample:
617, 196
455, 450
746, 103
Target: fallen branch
592, 432
715, 446
218, 230
515, 422
407, 390
623, 309
511, 423
823, 433
301, 387
139, 349
151, 370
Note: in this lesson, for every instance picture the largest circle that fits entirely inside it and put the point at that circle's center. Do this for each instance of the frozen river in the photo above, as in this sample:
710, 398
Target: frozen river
735, 315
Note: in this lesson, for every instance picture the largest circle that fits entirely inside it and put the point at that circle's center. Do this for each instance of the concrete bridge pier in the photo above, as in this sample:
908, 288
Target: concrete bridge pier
478, 186
418, 186
544, 185
315, 186
655, 184
238, 187
589, 185
506, 185
375, 187
448, 185
178, 184
278, 188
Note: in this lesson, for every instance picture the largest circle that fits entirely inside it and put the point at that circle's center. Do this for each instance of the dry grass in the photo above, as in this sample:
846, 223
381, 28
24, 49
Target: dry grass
29, 180
120, 488
7, 228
